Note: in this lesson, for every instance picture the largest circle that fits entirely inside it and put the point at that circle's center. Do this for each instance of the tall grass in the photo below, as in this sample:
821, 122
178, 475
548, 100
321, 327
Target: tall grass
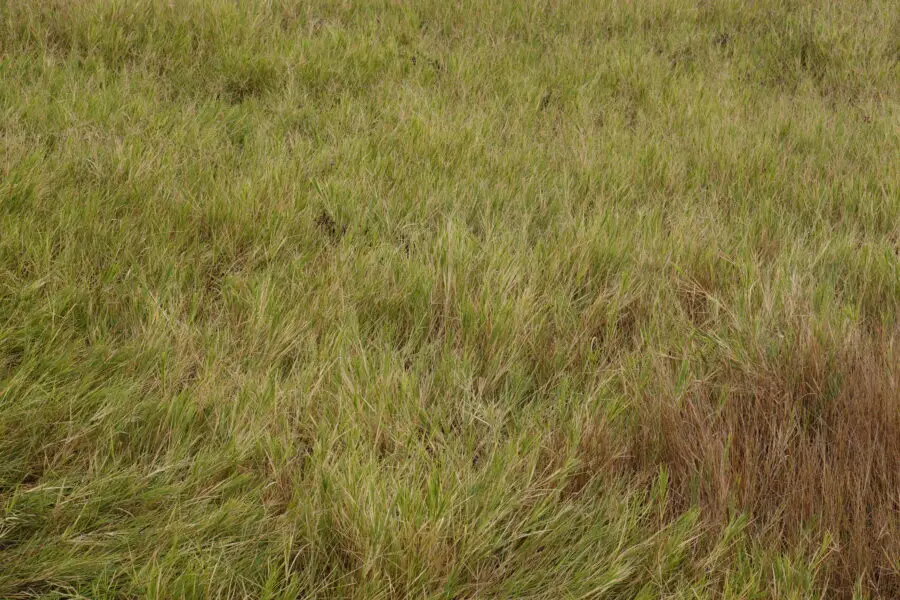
434, 299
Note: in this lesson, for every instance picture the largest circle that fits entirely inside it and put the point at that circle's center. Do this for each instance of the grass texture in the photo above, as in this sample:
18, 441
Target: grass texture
449, 299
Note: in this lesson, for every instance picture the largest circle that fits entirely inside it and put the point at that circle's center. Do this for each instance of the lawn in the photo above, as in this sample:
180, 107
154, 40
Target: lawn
450, 299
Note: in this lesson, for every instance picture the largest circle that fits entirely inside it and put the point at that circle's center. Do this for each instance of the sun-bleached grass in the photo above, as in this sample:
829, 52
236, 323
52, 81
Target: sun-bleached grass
449, 299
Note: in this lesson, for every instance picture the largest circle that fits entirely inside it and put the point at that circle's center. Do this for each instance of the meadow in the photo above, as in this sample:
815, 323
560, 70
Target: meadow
450, 299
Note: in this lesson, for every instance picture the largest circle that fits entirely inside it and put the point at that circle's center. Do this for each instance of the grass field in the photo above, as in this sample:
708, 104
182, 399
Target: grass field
449, 299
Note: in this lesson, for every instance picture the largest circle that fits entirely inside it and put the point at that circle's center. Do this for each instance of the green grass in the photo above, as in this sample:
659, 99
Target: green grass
386, 299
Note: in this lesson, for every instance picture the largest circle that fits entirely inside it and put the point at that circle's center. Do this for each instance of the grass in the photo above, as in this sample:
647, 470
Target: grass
433, 299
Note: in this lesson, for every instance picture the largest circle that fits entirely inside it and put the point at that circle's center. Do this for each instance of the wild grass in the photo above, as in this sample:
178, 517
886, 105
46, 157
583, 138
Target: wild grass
374, 299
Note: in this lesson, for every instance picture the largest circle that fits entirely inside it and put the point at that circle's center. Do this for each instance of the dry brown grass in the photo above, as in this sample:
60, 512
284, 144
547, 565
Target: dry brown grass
805, 440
